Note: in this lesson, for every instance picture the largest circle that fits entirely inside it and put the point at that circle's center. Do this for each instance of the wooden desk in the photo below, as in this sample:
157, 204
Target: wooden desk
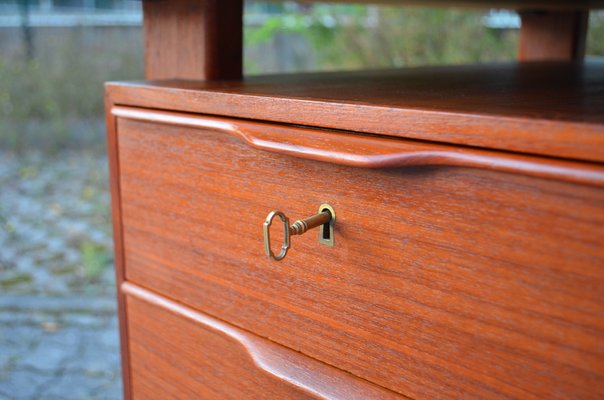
468, 259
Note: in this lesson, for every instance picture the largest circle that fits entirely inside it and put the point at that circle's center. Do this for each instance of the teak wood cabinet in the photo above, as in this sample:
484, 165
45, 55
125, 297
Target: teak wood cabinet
469, 245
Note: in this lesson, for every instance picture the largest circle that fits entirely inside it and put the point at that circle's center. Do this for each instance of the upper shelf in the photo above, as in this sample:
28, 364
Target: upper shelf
550, 109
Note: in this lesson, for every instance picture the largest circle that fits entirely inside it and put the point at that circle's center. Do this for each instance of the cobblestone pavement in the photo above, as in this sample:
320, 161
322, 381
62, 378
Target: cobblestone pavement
58, 329
58, 348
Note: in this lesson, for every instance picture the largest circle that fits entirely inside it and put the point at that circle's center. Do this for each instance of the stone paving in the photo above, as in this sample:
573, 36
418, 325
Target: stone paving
58, 326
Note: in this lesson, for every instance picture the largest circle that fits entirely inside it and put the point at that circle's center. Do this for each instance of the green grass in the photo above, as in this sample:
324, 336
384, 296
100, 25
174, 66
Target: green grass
15, 280
94, 259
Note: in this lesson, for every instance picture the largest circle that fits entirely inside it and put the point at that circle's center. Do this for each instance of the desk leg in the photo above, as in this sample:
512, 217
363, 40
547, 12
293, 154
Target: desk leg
553, 35
193, 39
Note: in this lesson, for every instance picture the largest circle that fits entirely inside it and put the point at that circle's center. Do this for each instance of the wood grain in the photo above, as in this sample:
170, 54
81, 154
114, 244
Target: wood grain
553, 35
181, 353
551, 109
193, 39
370, 151
118, 243
444, 282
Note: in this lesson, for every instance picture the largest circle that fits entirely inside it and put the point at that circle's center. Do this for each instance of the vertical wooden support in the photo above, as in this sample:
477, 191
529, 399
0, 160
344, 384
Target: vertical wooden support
193, 39
118, 248
553, 35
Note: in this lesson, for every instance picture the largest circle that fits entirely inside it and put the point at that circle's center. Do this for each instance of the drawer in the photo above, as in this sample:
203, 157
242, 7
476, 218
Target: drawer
455, 273
178, 353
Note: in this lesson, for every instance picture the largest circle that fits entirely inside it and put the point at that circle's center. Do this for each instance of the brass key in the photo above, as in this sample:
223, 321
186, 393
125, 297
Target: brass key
325, 219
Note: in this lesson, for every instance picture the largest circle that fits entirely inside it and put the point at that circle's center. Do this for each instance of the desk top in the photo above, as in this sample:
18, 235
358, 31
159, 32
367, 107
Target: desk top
551, 109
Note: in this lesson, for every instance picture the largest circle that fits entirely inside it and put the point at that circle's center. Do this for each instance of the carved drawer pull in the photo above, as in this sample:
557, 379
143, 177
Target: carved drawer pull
371, 152
326, 219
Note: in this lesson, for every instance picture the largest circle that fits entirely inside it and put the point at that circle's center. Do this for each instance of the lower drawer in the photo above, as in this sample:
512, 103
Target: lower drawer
177, 353
444, 282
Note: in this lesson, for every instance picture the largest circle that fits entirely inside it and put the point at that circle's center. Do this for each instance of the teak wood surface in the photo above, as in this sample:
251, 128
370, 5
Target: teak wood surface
179, 353
551, 109
553, 35
444, 282
193, 39
118, 242
457, 272
373, 151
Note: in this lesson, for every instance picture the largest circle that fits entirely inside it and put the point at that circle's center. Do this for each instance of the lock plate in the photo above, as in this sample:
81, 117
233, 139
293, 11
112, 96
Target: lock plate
326, 231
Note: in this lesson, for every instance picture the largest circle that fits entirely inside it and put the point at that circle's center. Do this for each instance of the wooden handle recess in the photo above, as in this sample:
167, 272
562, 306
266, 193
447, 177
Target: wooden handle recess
316, 379
370, 151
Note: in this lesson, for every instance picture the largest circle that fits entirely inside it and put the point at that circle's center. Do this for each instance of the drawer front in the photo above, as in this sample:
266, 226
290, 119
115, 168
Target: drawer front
443, 281
178, 353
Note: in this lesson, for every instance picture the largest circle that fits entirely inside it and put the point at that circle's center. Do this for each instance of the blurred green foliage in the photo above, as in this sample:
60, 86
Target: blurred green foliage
359, 36
49, 102
66, 77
